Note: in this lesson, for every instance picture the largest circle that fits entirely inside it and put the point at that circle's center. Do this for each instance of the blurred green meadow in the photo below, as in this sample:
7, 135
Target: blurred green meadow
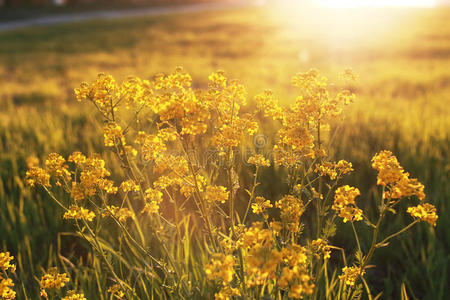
402, 57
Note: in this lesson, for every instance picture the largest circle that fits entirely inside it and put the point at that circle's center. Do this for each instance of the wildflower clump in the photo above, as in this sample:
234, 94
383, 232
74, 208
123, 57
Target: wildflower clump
6, 284
73, 295
350, 275
52, 280
116, 291
394, 178
259, 161
425, 212
261, 205
345, 205
79, 213
182, 211
221, 268
334, 170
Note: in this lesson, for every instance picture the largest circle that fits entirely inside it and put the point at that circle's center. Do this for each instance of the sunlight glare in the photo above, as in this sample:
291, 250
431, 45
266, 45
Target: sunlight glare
376, 3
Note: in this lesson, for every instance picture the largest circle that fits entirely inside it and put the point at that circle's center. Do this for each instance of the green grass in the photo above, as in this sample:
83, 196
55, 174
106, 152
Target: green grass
401, 55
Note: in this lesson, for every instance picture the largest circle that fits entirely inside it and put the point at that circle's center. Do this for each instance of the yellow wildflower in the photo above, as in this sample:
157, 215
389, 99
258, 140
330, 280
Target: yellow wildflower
104, 92
72, 295
122, 214
392, 175
334, 170
113, 134
291, 209
276, 227
320, 247
152, 145
52, 280
350, 275
227, 293
5, 262
78, 158
268, 105
130, 185
6, 291
116, 291
256, 237
221, 267
77, 213
216, 193
153, 198
344, 203
135, 91
425, 212
294, 273
261, 205
36, 175
258, 160
55, 165
92, 176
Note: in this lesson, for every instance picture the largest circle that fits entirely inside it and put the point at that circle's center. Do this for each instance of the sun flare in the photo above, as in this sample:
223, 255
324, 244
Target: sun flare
376, 3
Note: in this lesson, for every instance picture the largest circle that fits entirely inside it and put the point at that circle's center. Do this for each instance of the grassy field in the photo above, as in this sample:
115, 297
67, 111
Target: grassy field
402, 57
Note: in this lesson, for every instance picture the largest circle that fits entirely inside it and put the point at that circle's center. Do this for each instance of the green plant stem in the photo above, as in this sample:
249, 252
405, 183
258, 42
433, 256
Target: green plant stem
395, 234
356, 237
252, 194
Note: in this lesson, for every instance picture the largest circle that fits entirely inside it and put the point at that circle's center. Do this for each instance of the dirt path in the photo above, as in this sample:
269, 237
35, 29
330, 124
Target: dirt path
102, 15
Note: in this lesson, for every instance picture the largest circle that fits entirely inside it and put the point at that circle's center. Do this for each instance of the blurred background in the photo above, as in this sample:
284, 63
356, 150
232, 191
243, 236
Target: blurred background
400, 50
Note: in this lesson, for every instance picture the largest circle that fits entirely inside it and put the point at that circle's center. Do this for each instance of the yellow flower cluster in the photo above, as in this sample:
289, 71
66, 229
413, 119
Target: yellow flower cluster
36, 175
216, 193
268, 105
261, 259
122, 214
113, 134
334, 170
92, 178
288, 267
103, 92
116, 291
425, 212
291, 209
227, 293
294, 273
350, 275
344, 203
261, 205
153, 199
299, 123
5, 262
392, 175
258, 160
78, 213
54, 166
6, 284
320, 247
6, 291
130, 186
221, 267
136, 92
72, 295
52, 280
225, 98
152, 146
178, 103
